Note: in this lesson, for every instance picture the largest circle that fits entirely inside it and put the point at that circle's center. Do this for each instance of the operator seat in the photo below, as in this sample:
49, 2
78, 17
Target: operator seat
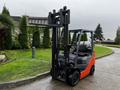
84, 50
84, 56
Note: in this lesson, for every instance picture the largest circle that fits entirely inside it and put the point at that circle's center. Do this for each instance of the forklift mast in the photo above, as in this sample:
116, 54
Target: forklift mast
57, 21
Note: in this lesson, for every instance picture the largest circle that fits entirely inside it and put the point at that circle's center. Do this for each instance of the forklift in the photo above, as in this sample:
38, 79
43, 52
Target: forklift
72, 59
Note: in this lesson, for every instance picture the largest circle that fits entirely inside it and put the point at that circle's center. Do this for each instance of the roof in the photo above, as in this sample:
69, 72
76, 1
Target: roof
110, 41
79, 30
17, 18
38, 18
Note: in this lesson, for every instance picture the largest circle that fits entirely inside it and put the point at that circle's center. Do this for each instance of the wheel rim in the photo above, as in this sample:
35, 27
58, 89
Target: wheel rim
75, 78
92, 70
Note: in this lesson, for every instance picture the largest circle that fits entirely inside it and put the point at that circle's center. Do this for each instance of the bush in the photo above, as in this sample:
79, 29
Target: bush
8, 39
36, 39
16, 45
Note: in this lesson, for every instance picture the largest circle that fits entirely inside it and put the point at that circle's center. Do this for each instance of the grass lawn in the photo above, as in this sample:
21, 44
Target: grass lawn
22, 65
101, 51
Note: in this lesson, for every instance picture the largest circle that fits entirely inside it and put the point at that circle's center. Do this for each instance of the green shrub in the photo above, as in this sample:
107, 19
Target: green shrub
46, 38
36, 39
16, 45
23, 36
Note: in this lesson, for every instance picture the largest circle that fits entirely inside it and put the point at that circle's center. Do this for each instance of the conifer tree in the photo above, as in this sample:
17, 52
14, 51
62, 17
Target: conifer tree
8, 24
98, 33
117, 39
36, 38
23, 36
46, 38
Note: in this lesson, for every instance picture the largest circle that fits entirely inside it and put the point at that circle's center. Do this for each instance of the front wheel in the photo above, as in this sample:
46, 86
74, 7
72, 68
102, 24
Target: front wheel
51, 72
73, 78
92, 70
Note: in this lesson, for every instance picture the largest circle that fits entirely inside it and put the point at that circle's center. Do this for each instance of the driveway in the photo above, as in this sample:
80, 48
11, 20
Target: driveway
107, 77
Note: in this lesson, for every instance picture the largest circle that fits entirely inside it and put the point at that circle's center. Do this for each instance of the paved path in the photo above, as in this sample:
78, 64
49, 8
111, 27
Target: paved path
107, 77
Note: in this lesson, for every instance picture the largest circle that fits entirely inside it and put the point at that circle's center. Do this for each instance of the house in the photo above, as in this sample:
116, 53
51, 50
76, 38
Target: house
33, 20
108, 41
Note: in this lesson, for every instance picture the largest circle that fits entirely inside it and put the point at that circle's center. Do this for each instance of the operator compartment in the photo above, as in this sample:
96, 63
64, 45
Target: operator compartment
81, 47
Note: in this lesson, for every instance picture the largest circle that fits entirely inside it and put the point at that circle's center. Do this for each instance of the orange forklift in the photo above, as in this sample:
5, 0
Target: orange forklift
73, 56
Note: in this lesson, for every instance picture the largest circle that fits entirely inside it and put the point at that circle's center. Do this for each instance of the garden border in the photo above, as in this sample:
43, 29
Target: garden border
16, 83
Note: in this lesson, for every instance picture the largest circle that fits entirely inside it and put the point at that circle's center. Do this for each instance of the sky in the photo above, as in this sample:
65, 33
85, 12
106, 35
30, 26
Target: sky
86, 14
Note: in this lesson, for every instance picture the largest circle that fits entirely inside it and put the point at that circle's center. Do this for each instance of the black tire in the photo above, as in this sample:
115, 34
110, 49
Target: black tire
92, 70
51, 71
73, 78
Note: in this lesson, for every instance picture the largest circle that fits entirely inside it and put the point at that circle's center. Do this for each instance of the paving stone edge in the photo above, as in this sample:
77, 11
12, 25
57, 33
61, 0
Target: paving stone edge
16, 83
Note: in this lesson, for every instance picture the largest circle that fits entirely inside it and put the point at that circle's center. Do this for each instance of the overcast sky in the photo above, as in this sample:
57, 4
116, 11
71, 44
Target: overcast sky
85, 14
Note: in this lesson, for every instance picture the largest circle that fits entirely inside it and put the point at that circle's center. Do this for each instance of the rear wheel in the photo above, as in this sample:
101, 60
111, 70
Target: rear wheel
51, 72
92, 70
73, 78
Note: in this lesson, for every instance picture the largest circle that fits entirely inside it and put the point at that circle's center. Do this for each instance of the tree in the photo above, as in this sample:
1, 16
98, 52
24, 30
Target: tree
23, 36
117, 39
5, 11
46, 38
8, 25
98, 33
36, 38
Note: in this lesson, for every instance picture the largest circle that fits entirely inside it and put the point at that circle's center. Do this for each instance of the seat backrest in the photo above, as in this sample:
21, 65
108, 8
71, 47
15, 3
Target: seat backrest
83, 48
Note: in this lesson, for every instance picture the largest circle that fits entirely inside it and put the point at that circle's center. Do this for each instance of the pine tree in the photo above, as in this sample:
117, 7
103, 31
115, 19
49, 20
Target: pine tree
117, 39
36, 38
98, 33
46, 38
8, 24
5, 11
23, 36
